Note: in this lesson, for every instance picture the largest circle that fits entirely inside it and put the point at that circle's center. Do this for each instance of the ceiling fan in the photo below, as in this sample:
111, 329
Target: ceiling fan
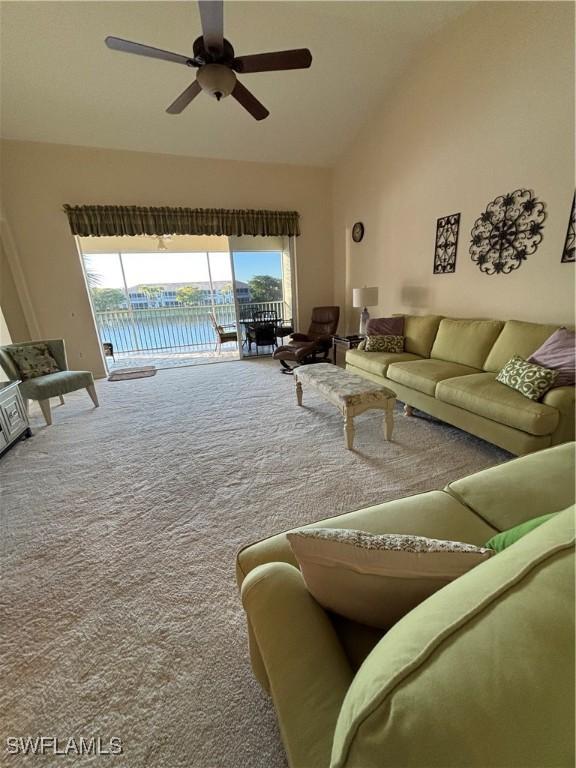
217, 65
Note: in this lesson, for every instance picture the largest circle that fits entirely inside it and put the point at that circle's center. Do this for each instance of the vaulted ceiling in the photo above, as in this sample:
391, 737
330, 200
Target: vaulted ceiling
59, 83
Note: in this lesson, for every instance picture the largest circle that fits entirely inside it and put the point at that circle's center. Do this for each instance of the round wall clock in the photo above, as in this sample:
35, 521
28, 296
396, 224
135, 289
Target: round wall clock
357, 231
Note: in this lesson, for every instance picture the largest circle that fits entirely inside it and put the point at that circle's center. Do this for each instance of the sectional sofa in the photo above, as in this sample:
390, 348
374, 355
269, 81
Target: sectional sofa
448, 369
479, 675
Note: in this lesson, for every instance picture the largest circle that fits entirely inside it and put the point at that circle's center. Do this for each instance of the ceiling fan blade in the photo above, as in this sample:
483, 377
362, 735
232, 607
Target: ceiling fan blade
180, 104
212, 19
127, 46
249, 102
301, 58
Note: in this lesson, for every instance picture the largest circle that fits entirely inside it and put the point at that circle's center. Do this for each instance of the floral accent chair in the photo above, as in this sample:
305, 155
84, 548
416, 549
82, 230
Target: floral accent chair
42, 368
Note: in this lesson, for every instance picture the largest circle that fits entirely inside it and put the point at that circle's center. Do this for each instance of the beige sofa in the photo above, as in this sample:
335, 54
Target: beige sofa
449, 368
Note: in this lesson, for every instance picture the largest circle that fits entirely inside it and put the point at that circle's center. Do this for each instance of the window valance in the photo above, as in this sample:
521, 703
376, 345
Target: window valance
111, 220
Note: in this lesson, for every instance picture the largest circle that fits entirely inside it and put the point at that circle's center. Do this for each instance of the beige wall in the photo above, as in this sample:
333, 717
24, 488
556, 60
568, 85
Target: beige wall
486, 108
38, 178
13, 317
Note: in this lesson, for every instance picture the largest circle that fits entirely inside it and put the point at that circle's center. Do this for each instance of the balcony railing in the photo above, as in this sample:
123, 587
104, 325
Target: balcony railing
172, 328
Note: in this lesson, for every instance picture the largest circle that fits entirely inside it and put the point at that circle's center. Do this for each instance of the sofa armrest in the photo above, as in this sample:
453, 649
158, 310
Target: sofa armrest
307, 668
563, 399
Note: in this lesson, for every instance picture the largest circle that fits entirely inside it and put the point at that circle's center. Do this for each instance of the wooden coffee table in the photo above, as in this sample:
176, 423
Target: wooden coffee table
351, 394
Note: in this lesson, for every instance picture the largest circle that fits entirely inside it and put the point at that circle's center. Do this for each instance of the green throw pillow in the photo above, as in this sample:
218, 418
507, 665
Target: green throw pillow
531, 380
506, 538
33, 360
384, 344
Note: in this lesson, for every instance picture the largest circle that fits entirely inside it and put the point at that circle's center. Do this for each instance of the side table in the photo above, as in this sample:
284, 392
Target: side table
13, 417
348, 342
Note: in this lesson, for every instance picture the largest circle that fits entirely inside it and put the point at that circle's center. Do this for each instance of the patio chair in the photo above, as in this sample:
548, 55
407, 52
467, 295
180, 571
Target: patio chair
223, 336
262, 331
306, 348
42, 388
285, 328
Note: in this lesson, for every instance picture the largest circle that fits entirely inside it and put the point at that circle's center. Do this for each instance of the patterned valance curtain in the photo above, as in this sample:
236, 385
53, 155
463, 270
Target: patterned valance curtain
111, 220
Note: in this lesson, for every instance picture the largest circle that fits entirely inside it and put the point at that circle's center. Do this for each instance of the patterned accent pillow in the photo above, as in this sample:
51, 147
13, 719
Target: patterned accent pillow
397, 542
531, 380
384, 344
376, 579
33, 360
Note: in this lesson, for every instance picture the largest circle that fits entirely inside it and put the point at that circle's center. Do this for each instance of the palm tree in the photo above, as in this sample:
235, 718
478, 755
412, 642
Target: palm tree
93, 278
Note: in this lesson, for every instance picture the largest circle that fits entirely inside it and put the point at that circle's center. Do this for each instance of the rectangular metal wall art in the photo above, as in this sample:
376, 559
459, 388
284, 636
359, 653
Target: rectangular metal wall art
569, 252
446, 244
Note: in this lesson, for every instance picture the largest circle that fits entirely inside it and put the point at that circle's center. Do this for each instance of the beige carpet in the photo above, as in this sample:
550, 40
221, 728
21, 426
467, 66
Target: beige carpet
119, 529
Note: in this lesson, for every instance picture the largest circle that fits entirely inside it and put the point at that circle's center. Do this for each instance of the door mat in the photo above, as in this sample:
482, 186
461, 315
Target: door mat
120, 374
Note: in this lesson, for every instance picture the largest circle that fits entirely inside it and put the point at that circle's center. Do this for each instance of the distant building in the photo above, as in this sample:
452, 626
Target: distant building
167, 292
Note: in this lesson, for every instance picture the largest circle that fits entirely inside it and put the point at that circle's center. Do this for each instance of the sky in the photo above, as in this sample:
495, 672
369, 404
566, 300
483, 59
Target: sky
166, 267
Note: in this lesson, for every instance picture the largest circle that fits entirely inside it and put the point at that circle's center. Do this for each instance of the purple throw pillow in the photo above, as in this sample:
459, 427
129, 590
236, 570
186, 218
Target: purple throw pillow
385, 326
558, 353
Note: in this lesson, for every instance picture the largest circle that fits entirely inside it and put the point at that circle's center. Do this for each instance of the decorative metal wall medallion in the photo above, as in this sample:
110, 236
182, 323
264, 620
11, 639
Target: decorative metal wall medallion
446, 244
508, 232
569, 252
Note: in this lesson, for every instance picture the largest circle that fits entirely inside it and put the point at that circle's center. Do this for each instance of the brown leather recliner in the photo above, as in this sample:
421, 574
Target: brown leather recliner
306, 347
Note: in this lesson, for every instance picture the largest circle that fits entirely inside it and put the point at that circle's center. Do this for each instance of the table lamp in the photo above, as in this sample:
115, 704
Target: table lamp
364, 297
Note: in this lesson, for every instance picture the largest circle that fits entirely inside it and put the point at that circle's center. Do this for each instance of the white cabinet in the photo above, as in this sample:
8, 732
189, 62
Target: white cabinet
13, 418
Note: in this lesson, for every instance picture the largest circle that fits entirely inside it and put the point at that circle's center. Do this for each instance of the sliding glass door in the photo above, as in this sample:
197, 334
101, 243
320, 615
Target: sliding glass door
263, 288
157, 303
162, 309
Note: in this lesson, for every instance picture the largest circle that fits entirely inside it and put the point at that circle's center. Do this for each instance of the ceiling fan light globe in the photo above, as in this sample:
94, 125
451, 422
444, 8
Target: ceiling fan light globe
216, 80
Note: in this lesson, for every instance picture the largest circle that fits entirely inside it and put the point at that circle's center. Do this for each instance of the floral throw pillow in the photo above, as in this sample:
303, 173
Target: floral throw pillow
384, 344
33, 360
531, 380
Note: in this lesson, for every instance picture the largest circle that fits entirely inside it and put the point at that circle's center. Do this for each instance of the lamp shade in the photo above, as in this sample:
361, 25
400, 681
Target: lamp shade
364, 297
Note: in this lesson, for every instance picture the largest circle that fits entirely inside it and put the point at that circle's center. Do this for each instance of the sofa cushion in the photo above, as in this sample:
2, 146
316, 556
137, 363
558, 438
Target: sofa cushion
467, 342
375, 579
419, 333
481, 394
424, 375
452, 683
514, 492
377, 362
55, 384
517, 338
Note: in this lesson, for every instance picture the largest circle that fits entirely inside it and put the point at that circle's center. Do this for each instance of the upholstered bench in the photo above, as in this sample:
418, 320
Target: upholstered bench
351, 394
